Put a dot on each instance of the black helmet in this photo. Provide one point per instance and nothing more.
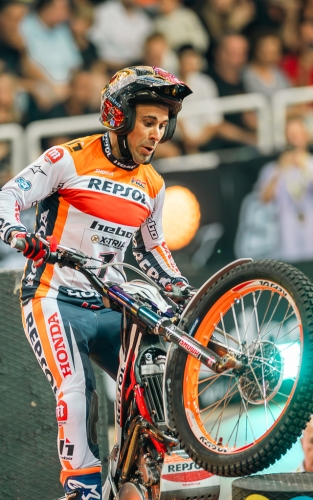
(137, 85)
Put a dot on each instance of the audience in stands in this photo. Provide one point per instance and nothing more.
(263, 74)
(81, 21)
(12, 46)
(119, 32)
(280, 224)
(14, 57)
(230, 58)
(56, 55)
(157, 53)
(180, 25)
(50, 43)
(277, 15)
(80, 100)
(223, 16)
(298, 65)
(9, 108)
(197, 130)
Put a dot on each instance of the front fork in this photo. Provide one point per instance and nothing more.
(215, 355)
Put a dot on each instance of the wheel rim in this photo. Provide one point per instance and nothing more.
(230, 412)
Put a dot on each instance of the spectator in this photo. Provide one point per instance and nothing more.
(289, 183)
(280, 16)
(5, 163)
(298, 66)
(307, 10)
(80, 97)
(197, 130)
(119, 32)
(12, 47)
(181, 26)
(80, 23)
(307, 447)
(230, 57)
(13, 53)
(263, 73)
(223, 16)
(157, 53)
(276, 219)
(50, 42)
(9, 111)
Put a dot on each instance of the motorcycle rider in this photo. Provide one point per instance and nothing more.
(94, 193)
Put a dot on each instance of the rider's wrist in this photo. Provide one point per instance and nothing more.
(12, 232)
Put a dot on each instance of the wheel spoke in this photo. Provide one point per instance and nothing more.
(220, 416)
(272, 315)
(236, 326)
(267, 309)
(278, 324)
(217, 403)
(247, 416)
(264, 390)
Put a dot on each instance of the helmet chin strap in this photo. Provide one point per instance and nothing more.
(125, 151)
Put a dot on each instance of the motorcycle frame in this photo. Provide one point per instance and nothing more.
(126, 372)
(183, 320)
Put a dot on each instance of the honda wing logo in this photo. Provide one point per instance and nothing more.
(73, 485)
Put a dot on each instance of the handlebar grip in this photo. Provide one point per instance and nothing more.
(18, 243)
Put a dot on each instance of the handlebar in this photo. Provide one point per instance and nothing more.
(18, 243)
(75, 259)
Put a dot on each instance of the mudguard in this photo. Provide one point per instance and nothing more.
(183, 320)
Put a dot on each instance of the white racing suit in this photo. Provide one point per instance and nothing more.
(90, 201)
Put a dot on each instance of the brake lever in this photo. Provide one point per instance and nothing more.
(59, 247)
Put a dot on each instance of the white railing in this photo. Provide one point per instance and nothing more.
(199, 161)
(14, 133)
(90, 123)
(35, 131)
(271, 121)
(238, 103)
(281, 100)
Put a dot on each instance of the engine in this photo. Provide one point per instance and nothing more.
(152, 370)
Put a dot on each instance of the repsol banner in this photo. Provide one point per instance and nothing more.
(29, 463)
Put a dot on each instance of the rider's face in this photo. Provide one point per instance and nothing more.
(151, 120)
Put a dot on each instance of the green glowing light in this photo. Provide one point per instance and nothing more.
(291, 356)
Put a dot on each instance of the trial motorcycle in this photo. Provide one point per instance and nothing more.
(216, 383)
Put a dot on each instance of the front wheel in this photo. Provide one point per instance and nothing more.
(239, 422)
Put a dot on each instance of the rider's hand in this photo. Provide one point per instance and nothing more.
(180, 291)
(186, 289)
(34, 248)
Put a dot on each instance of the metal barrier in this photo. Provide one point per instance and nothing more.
(90, 123)
(35, 131)
(237, 103)
(15, 133)
(271, 119)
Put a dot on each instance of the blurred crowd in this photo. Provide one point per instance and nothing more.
(56, 55)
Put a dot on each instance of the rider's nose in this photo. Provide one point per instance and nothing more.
(156, 134)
